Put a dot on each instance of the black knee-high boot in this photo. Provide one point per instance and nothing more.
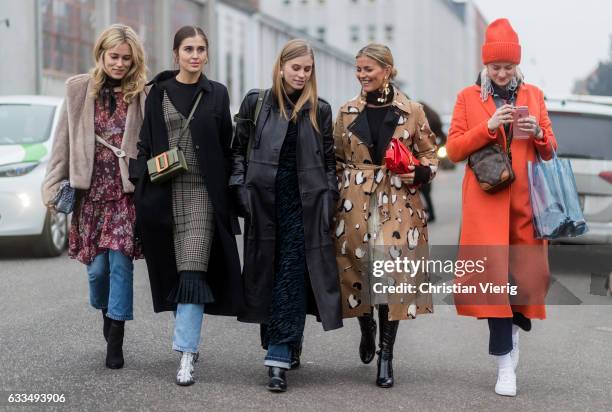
(114, 348)
(388, 331)
(106, 324)
(367, 346)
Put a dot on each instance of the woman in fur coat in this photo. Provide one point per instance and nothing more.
(95, 138)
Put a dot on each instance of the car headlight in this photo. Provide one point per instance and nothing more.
(17, 169)
(442, 152)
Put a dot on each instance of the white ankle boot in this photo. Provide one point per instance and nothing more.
(184, 376)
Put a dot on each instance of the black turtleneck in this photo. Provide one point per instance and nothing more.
(287, 159)
(181, 95)
(376, 112)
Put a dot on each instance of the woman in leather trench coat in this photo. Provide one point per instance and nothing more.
(285, 181)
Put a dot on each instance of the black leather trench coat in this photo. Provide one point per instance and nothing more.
(318, 191)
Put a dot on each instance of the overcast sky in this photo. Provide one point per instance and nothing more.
(561, 40)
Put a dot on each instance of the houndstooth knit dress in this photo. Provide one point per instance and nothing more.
(192, 211)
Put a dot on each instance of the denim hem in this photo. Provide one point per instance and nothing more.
(181, 349)
(277, 364)
(500, 354)
(277, 358)
(98, 307)
(119, 317)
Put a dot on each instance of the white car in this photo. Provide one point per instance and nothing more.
(27, 127)
(583, 128)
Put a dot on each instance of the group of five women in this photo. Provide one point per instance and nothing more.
(319, 204)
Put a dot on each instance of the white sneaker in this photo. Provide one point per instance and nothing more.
(506, 382)
(184, 376)
(514, 353)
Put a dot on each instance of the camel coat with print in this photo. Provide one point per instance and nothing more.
(365, 188)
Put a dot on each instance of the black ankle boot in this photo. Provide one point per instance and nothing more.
(114, 348)
(106, 325)
(388, 331)
(278, 381)
(296, 352)
(367, 346)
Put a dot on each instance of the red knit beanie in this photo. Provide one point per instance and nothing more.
(501, 43)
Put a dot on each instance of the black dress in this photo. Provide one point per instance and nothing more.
(290, 296)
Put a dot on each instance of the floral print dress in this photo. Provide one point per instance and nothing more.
(104, 216)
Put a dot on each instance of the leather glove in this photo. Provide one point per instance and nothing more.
(239, 195)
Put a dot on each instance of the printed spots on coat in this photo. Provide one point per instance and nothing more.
(402, 231)
(353, 301)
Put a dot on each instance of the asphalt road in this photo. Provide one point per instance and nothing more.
(51, 342)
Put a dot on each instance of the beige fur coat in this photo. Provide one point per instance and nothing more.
(72, 154)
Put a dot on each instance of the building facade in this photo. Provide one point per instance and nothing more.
(248, 44)
(50, 40)
(435, 43)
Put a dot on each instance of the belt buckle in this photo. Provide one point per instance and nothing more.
(158, 163)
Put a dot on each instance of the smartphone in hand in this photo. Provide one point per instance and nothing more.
(520, 112)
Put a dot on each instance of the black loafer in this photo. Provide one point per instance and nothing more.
(278, 381)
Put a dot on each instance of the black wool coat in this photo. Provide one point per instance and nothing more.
(211, 131)
(318, 187)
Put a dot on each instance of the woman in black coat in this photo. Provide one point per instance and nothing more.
(285, 182)
(186, 223)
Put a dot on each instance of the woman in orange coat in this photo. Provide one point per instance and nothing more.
(500, 224)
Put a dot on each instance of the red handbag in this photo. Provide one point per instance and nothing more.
(398, 157)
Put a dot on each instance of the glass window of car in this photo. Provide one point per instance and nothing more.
(583, 136)
(25, 123)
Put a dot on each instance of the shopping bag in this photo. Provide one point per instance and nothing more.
(554, 199)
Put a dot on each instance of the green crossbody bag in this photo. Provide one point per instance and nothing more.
(172, 162)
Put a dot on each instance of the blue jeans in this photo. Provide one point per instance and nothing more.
(500, 336)
(500, 332)
(279, 355)
(111, 284)
(187, 327)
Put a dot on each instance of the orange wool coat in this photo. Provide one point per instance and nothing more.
(503, 218)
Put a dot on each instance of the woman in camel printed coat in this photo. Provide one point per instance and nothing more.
(380, 215)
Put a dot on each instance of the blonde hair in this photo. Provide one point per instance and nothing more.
(382, 54)
(291, 50)
(134, 81)
(486, 84)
